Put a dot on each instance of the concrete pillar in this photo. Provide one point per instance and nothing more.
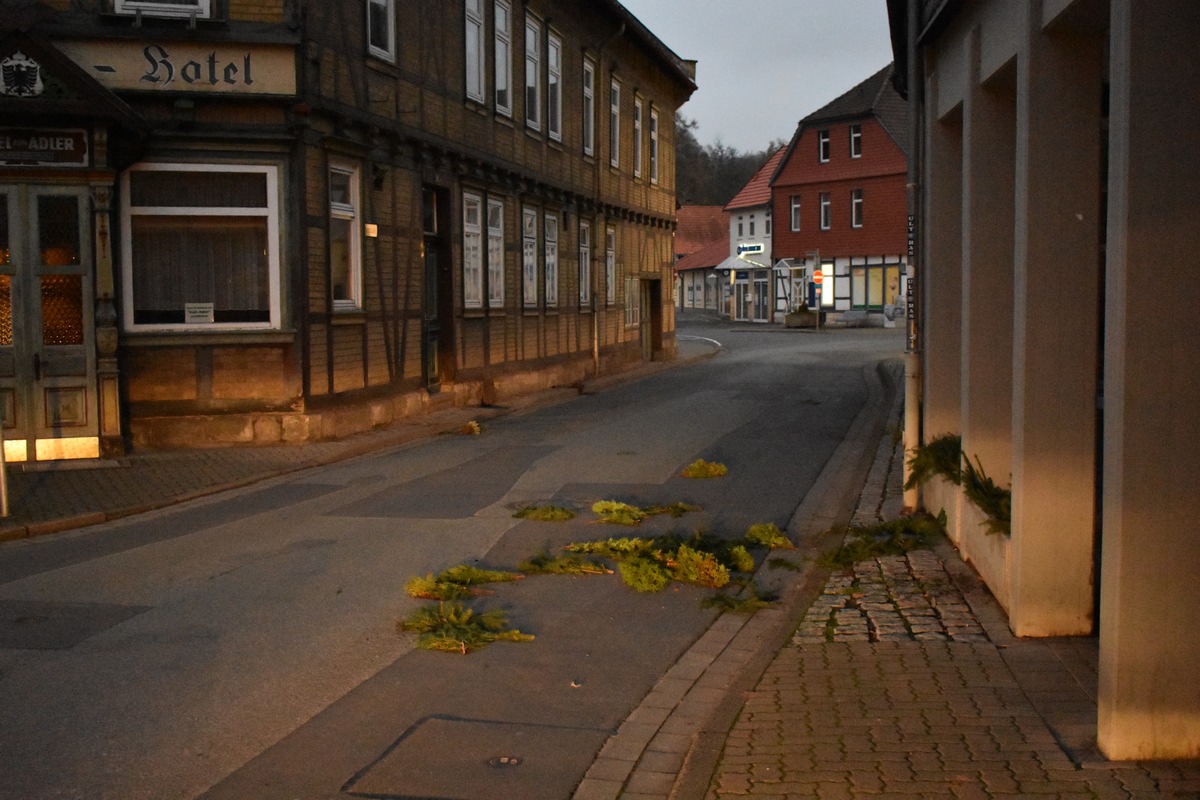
(989, 135)
(1149, 699)
(1057, 264)
(942, 273)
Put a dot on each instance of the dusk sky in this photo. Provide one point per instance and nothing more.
(764, 64)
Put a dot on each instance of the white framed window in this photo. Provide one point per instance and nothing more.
(741, 228)
(472, 250)
(653, 145)
(826, 212)
(529, 257)
(856, 208)
(856, 140)
(751, 224)
(589, 107)
(633, 302)
(637, 136)
(794, 201)
(550, 263)
(585, 264)
(503, 77)
(554, 86)
(822, 146)
(345, 241)
(767, 224)
(381, 29)
(614, 123)
(200, 246)
(533, 73)
(474, 50)
(610, 266)
(202, 9)
(495, 252)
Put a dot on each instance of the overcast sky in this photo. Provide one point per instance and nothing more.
(764, 64)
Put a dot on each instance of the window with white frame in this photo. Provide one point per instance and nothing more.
(856, 140)
(614, 123)
(495, 252)
(345, 244)
(741, 228)
(200, 246)
(826, 212)
(533, 73)
(202, 9)
(550, 263)
(856, 208)
(529, 257)
(794, 201)
(751, 224)
(472, 250)
(589, 107)
(653, 146)
(823, 146)
(503, 76)
(381, 29)
(767, 231)
(633, 301)
(585, 264)
(474, 50)
(637, 136)
(554, 86)
(610, 266)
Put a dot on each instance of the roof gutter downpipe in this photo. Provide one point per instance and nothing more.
(914, 349)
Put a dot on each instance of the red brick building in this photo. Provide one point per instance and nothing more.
(839, 198)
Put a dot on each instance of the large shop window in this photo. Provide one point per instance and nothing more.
(201, 9)
(201, 246)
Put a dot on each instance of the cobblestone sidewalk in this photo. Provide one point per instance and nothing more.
(897, 684)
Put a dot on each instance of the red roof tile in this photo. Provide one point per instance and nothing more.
(697, 226)
(708, 256)
(757, 191)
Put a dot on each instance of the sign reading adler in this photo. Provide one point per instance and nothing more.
(43, 147)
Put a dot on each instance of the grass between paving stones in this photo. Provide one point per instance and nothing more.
(895, 537)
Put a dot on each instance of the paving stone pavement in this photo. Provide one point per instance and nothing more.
(903, 681)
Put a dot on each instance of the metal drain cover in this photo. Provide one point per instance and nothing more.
(443, 758)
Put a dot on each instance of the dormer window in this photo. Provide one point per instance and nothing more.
(200, 9)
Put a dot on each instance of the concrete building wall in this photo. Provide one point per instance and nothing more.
(1060, 190)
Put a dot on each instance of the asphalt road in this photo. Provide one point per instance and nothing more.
(244, 646)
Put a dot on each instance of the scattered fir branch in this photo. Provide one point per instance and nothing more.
(545, 513)
(896, 537)
(767, 534)
(456, 582)
(454, 628)
(472, 428)
(545, 564)
(704, 469)
(613, 512)
(993, 500)
(939, 456)
(748, 603)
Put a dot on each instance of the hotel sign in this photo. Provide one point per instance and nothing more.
(188, 66)
(43, 147)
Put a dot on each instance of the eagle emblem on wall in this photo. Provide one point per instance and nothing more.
(20, 76)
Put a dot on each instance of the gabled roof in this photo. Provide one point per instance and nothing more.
(875, 97)
(757, 191)
(696, 226)
(706, 257)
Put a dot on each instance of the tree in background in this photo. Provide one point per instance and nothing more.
(710, 175)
